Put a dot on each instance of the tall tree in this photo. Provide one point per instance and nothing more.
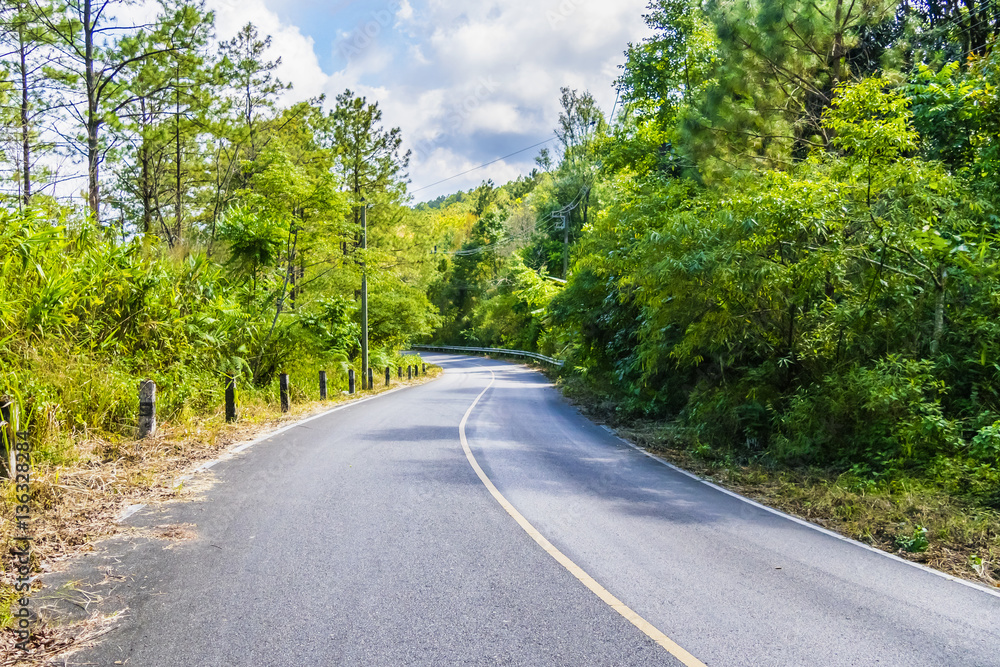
(778, 64)
(24, 40)
(566, 211)
(254, 88)
(170, 98)
(368, 155)
(98, 51)
(374, 173)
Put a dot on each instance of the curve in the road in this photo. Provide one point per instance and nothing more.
(365, 538)
(635, 619)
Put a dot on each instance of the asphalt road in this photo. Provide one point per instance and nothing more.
(365, 537)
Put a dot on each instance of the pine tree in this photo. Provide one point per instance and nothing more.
(96, 51)
(25, 43)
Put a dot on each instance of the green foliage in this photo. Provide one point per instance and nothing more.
(512, 312)
(948, 111)
(915, 542)
(255, 239)
(985, 445)
(331, 320)
(84, 318)
(830, 302)
(399, 316)
(871, 124)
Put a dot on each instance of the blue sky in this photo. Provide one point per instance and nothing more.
(466, 82)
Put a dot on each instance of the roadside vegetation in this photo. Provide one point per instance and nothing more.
(780, 261)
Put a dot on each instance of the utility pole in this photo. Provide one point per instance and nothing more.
(364, 295)
(565, 219)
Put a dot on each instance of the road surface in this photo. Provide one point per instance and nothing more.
(368, 537)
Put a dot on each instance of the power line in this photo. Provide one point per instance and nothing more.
(469, 171)
(540, 226)
(618, 94)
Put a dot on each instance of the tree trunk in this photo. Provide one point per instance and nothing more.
(93, 122)
(939, 311)
(565, 270)
(146, 190)
(177, 140)
(25, 134)
(293, 275)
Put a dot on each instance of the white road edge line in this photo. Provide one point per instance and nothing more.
(632, 617)
(229, 453)
(803, 522)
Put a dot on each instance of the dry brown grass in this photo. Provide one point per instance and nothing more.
(49, 644)
(964, 539)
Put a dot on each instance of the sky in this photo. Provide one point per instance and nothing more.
(466, 82)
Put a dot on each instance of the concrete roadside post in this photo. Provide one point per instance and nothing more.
(286, 403)
(147, 408)
(351, 383)
(371, 379)
(230, 398)
(322, 385)
(409, 372)
(388, 375)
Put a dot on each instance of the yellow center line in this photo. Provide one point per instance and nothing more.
(635, 619)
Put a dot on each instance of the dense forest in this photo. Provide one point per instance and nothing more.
(784, 241)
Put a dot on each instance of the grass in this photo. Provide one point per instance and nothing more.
(912, 515)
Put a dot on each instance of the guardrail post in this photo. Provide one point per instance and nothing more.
(350, 381)
(491, 350)
(230, 398)
(286, 403)
(147, 408)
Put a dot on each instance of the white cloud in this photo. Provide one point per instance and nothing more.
(528, 49)
(446, 162)
(299, 63)
(417, 54)
(405, 12)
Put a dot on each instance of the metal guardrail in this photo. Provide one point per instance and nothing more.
(489, 350)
